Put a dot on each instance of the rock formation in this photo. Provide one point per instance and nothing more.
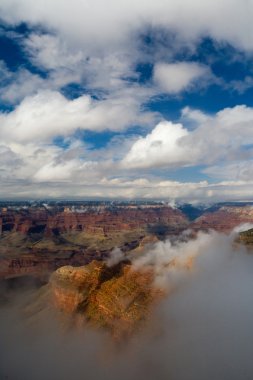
(246, 238)
(35, 241)
(103, 222)
(118, 299)
(224, 219)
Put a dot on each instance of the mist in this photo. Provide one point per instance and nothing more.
(201, 330)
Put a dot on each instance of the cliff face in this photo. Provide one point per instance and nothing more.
(225, 219)
(36, 241)
(118, 299)
(158, 221)
(23, 221)
(93, 222)
(246, 237)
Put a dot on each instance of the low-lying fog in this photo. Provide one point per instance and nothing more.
(202, 331)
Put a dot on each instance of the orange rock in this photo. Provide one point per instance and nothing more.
(118, 299)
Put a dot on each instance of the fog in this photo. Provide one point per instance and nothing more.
(202, 330)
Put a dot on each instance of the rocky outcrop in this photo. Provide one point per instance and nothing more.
(118, 299)
(24, 221)
(112, 221)
(37, 240)
(225, 219)
(103, 222)
(246, 237)
(37, 266)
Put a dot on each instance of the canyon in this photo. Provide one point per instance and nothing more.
(84, 263)
(35, 241)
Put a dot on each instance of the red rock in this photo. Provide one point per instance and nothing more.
(225, 219)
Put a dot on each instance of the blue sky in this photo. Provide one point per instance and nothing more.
(126, 100)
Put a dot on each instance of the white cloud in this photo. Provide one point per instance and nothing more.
(96, 44)
(176, 77)
(51, 52)
(67, 170)
(88, 185)
(29, 159)
(215, 138)
(239, 171)
(21, 84)
(106, 24)
(48, 114)
(16, 85)
(44, 116)
(159, 148)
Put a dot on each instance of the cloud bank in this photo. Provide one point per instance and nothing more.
(117, 20)
(115, 99)
(201, 331)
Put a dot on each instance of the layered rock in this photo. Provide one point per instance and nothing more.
(102, 222)
(118, 299)
(246, 237)
(224, 219)
(112, 221)
(24, 221)
(36, 240)
(35, 266)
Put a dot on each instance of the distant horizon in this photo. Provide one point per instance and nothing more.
(124, 200)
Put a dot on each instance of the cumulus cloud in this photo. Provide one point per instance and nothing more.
(158, 148)
(48, 114)
(45, 166)
(43, 116)
(214, 138)
(176, 77)
(98, 52)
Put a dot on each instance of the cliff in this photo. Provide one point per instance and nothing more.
(118, 299)
(35, 241)
(224, 219)
(102, 222)
(246, 237)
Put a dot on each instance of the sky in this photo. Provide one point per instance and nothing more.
(124, 99)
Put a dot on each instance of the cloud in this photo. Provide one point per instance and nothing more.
(17, 85)
(97, 49)
(159, 148)
(171, 261)
(98, 25)
(239, 171)
(36, 166)
(180, 76)
(202, 330)
(214, 138)
(67, 170)
(50, 52)
(49, 114)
